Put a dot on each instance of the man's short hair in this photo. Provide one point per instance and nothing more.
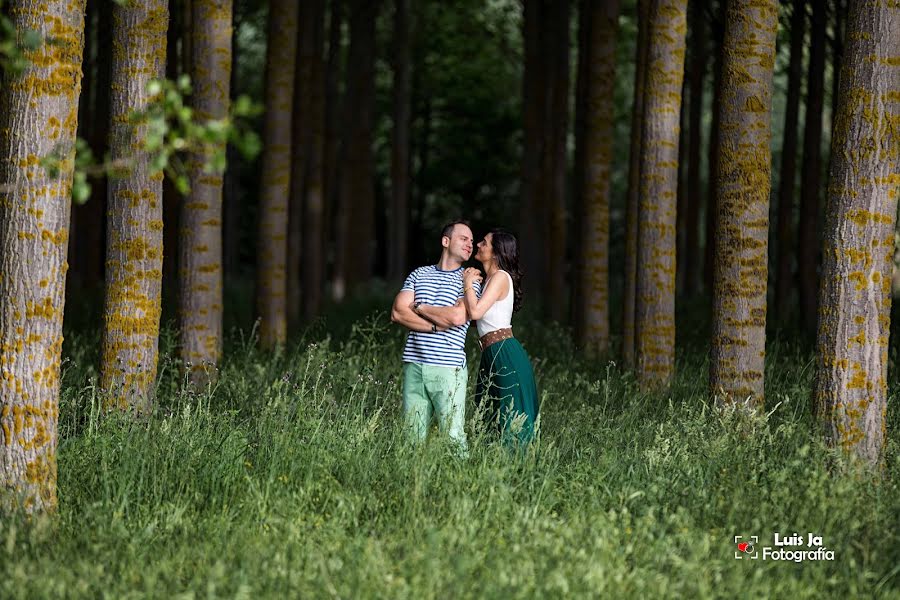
(447, 231)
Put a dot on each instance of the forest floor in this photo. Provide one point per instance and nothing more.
(291, 478)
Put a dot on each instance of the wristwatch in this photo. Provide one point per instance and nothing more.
(433, 328)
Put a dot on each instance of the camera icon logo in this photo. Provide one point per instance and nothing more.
(746, 547)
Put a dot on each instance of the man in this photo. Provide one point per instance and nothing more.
(430, 305)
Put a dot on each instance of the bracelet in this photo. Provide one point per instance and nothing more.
(466, 289)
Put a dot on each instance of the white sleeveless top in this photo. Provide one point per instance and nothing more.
(498, 316)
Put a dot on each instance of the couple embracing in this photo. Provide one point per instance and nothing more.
(436, 304)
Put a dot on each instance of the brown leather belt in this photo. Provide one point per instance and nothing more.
(495, 336)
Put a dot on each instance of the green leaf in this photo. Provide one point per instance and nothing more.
(154, 87)
(81, 189)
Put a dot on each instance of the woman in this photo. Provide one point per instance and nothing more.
(505, 386)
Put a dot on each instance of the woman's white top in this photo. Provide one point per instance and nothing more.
(498, 316)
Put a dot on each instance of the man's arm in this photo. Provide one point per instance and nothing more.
(403, 314)
(444, 316)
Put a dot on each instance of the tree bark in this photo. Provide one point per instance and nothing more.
(556, 120)
(783, 277)
(271, 256)
(332, 142)
(313, 275)
(582, 74)
(200, 240)
(854, 318)
(634, 183)
(357, 197)
(533, 109)
(655, 298)
(811, 173)
(299, 165)
(737, 365)
(398, 219)
(38, 115)
(600, 88)
(134, 233)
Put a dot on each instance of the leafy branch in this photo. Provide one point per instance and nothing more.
(169, 134)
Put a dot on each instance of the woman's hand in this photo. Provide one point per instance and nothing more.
(471, 276)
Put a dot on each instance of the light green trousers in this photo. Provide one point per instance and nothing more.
(433, 391)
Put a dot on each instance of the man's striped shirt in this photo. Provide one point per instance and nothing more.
(435, 287)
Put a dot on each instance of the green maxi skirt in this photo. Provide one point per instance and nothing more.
(506, 392)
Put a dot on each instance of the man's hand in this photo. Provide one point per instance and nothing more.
(402, 313)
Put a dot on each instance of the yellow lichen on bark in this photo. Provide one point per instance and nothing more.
(38, 116)
(132, 302)
(855, 300)
(271, 289)
(200, 278)
(655, 289)
(596, 188)
(740, 270)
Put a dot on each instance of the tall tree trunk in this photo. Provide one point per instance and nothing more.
(276, 173)
(533, 108)
(854, 319)
(313, 279)
(417, 237)
(299, 164)
(737, 362)
(545, 99)
(578, 168)
(357, 191)
(332, 142)
(783, 277)
(600, 90)
(134, 233)
(811, 174)
(38, 115)
(698, 52)
(556, 119)
(398, 220)
(837, 52)
(712, 201)
(200, 241)
(655, 298)
(634, 183)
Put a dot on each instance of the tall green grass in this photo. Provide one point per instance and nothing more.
(291, 477)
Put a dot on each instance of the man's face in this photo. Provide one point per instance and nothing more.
(459, 244)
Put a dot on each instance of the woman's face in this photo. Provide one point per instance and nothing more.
(485, 252)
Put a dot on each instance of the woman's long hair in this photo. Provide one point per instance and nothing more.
(506, 250)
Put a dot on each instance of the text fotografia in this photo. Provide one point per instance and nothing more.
(792, 548)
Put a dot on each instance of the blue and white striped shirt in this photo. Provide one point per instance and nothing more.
(435, 287)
